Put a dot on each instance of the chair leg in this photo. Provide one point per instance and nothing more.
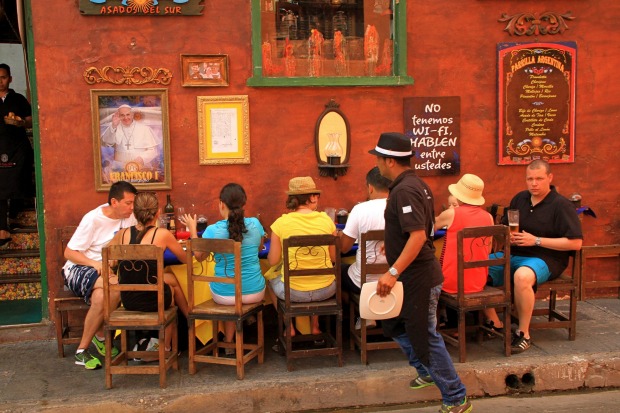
(60, 324)
(507, 332)
(261, 337)
(572, 331)
(108, 358)
(352, 327)
(462, 338)
(239, 349)
(191, 345)
(175, 344)
(162, 359)
(339, 338)
(363, 341)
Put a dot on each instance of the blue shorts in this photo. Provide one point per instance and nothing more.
(80, 279)
(496, 272)
(277, 286)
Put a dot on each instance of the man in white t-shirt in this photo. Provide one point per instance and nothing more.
(83, 267)
(365, 216)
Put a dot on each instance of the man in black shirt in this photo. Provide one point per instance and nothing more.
(409, 219)
(549, 230)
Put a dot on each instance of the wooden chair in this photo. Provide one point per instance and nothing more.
(293, 249)
(359, 337)
(490, 297)
(69, 308)
(222, 249)
(550, 316)
(595, 252)
(132, 257)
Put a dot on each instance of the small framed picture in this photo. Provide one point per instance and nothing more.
(131, 141)
(204, 70)
(223, 130)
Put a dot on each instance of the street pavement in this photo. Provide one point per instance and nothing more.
(33, 378)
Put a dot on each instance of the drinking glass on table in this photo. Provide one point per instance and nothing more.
(180, 213)
(513, 220)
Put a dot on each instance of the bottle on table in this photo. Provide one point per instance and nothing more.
(169, 212)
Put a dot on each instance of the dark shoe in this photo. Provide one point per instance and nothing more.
(5, 241)
(464, 407)
(421, 382)
(319, 343)
(491, 326)
(278, 348)
(520, 343)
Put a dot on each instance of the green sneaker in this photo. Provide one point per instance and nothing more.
(464, 407)
(101, 347)
(87, 360)
(421, 382)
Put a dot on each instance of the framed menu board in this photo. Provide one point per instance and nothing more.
(536, 102)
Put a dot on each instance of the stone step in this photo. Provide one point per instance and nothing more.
(20, 291)
(19, 263)
(22, 241)
(33, 277)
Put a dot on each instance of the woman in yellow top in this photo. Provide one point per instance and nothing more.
(302, 201)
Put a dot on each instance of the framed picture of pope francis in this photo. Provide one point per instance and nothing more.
(131, 140)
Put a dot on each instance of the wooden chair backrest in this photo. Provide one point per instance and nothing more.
(218, 251)
(63, 235)
(130, 257)
(371, 239)
(297, 247)
(482, 237)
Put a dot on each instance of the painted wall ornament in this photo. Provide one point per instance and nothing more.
(529, 24)
(127, 75)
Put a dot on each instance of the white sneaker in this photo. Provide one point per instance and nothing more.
(153, 344)
(369, 323)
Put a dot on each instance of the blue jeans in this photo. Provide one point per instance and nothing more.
(441, 368)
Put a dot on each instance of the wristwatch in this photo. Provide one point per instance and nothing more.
(537, 242)
(393, 272)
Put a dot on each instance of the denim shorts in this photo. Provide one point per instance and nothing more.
(277, 285)
(496, 272)
(80, 279)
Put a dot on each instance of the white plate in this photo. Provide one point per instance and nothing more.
(374, 307)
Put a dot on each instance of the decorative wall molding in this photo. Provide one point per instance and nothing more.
(126, 75)
(529, 24)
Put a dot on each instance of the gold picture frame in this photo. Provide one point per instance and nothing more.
(131, 140)
(223, 130)
(204, 70)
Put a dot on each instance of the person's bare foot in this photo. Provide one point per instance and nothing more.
(4, 234)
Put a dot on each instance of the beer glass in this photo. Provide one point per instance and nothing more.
(513, 220)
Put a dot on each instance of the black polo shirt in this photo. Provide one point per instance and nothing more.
(553, 217)
(409, 208)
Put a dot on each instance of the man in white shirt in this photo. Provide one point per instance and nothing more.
(365, 216)
(83, 267)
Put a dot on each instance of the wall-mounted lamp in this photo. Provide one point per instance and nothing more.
(332, 141)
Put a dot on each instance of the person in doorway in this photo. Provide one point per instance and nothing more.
(250, 233)
(409, 222)
(365, 216)
(16, 154)
(132, 141)
(549, 230)
(83, 267)
(468, 193)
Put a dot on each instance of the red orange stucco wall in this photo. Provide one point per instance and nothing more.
(451, 52)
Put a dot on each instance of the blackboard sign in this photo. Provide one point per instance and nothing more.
(536, 102)
(141, 7)
(434, 126)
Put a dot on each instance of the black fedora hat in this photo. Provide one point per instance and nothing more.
(393, 145)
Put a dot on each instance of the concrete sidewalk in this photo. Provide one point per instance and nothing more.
(33, 378)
